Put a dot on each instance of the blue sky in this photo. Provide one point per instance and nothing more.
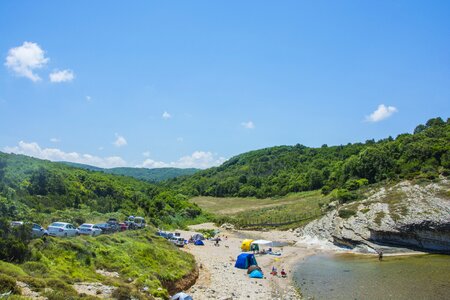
(191, 83)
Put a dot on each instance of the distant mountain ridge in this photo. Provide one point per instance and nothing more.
(151, 175)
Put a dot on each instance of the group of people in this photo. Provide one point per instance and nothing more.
(275, 272)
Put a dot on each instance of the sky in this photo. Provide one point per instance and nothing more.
(193, 83)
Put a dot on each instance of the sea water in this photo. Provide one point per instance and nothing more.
(352, 276)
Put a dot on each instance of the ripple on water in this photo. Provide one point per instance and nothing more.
(352, 276)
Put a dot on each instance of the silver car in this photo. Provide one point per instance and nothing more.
(89, 229)
(62, 229)
(38, 231)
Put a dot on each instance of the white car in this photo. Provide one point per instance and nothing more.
(62, 229)
(89, 229)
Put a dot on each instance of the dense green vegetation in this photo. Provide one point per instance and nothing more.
(278, 171)
(33, 188)
(150, 175)
(57, 263)
(40, 191)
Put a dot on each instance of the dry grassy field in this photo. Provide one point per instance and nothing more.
(291, 206)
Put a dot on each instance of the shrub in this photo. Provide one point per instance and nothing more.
(8, 284)
(346, 213)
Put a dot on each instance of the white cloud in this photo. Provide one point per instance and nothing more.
(55, 140)
(198, 159)
(88, 98)
(248, 125)
(381, 113)
(26, 58)
(62, 76)
(166, 115)
(120, 141)
(146, 154)
(54, 154)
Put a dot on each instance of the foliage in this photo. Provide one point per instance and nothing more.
(346, 213)
(44, 191)
(13, 241)
(8, 284)
(278, 171)
(57, 263)
(150, 175)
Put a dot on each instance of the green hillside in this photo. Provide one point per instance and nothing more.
(281, 170)
(42, 189)
(151, 175)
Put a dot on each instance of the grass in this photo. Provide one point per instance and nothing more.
(140, 255)
(273, 210)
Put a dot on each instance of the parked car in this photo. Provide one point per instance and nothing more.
(114, 224)
(38, 231)
(178, 241)
(16, 223)
(89, 229)
(105, 227)
(62, 229)
(135, 222)
(123, 226)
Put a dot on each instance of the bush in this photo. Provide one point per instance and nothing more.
(8, 284)
(346, 213)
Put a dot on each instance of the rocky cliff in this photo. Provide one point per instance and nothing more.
(409, 215)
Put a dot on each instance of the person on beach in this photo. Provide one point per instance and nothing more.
(380, 255)
(274, 271)
(283, 273)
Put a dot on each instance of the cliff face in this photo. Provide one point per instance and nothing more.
(406, 215)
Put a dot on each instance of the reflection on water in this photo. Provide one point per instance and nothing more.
(350, 276)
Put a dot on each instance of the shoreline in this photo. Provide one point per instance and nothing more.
(219, 279)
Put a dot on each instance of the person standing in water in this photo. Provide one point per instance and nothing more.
(380, 255)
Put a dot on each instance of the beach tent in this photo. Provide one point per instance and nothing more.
(245, 246)
(181, 296)
(253, 268)
(262, 242)
(197, 236)
(199, 243)
(245, 260)
(256, 274)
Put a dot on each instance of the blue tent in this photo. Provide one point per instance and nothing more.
(245, 260)
(256, 274)
(199, 243)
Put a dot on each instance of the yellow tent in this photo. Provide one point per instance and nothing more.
(245, 246)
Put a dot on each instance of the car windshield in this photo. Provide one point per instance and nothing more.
(57, 224)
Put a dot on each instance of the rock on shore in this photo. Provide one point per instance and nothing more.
(406, 215)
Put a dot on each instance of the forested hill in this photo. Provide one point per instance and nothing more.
(42, 188)
(150, 175)
(280, 170)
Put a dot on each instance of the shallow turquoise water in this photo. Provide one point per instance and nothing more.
(350, 276)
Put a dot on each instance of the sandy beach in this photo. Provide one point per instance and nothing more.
(219, 279)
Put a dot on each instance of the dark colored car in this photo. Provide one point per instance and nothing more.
(114, 224)
(105, 227)
(123, 226)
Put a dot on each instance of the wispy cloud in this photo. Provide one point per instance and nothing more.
(381, 113)
(120, 141)
(55, 140)
(166, 115)
(146, 153)
(23, 60)
(198, 159)
(55, 154)
(88, 98)
(248, 125)
(61, 76)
